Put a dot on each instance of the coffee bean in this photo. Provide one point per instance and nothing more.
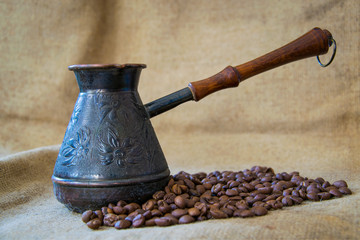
(270, 197)
(296, 200)
(207, 185)
(119, 210)
(136, 212)
(87, 216)
(313, 196)
(189, 183)
(324, 196)
(258, 203)
(110, 219)
(179, 212)
(191, 202)
(311, 188)
(158, 195)
(183, 188)
(106, 210)
(232, 207)
(208, 199)
(201, 218)
(213, 180)
(265, 190)
(189, 197)
(194, 212)
(236, 213)
(162, 222)
(231, 192)
(245, 214)
(278, 176)
(274, 204)
(185, 195)
(111, 205)
(147, 214)
(335, 193)
(167, 190)
(221, 193)
(217, 188)
(302, 194)
(173, 219)
(217, 213)
(121, 203)
(180, 202)
(345, 190)
(179, 177)
(224, 198)
(176, 189)
(122, 216)
(94, 223)
(122, 224)
(99, 214)
(289, 184)
(277, 188)
(151, 221)
(163, 206)
(131, 207)
(266, 179)
(233, 183)
(138, 221)
(200, 189)
(130, 217)
(227, 211)
(295, 193)
(242, 206)
(171, 182)
(195, 179)
(248, 186)
(193, 192)
(149, 205)
(279, 198)
(156, 213)
(250, 200)
(259, 211)
(320, 180)
(186, 219)
(202, 207)
(286, 201)
(340, 183)
(286, 176)
(326, 184)
(330, 187)
(259, 197)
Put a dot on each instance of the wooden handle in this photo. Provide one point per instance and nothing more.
(313, 43)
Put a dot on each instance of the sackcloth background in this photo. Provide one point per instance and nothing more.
(297, 117)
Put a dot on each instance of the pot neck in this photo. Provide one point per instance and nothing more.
(112, 77)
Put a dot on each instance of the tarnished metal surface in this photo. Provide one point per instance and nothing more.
(110, 151)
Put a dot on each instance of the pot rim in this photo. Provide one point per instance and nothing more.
(105, 66)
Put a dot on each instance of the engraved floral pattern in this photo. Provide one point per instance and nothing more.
(76, 148)
(107, 105)
(121, 108)
(122, 151)
(74, 116)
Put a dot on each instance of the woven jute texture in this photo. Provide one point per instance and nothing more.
(299, 117)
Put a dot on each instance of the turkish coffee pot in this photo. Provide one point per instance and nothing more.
(110, 151)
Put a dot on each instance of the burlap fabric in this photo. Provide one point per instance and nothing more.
(297, 117)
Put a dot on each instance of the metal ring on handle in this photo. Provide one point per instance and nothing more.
(332, 57)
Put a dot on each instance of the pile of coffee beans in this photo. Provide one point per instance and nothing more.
(197, 197)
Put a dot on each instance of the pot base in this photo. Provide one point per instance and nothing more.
(80, 199)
